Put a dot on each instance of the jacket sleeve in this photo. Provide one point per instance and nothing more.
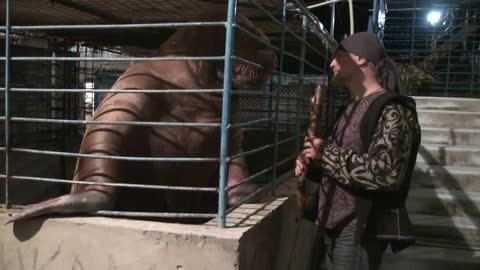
(383, 166)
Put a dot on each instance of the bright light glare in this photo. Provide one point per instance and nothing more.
(434, 17)
(89, 85)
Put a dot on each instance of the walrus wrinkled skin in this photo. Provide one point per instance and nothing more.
(163, 141)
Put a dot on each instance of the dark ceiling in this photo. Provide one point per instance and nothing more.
(68, 12)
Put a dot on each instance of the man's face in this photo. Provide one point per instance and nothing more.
(343, 66)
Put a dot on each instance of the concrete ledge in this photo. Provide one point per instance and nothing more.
(265, 235)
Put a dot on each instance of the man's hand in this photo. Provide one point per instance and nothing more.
(310, 150)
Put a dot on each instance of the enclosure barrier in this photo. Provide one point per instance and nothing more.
(276, 116)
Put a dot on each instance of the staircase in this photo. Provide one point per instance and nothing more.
(444, 199)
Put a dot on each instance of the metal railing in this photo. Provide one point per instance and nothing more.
(439, 57)
(279, 110)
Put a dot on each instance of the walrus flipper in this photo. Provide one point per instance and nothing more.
(83, 202)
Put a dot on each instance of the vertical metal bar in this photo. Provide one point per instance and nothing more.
(7, 104)
(447, 85)
(375, 16)
(382, 12)
(277, 97)
(326, 66)
(412, 45)
(227, 84)
(332, 20)
(467, 19)
(301, 72)
(268, 103)
(472, 68)
(350, 12)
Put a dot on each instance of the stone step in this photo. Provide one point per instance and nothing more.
(446, 177)
(454, 155)
(443, 202)
(447, 103)
(453, 231)
(456, 136)
(449, 119)
(431, 258)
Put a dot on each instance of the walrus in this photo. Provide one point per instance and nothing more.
(166, 141)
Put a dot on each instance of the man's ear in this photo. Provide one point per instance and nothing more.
(361, 61)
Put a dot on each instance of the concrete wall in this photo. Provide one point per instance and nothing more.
(281, 240)
(264, 235)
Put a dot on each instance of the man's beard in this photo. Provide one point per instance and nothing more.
(338, 80)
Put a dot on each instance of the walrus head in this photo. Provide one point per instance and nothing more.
(247, 76)
(210, 41)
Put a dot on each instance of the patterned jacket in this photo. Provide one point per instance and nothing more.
(380, 175)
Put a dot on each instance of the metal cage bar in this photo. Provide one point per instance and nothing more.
(7, 104)
(301, 73)
(279, 86)
(124, 185)
(227, 85)
(226, 91)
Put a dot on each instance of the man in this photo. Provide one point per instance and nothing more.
(364, 167)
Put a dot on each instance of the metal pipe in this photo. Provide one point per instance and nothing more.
(251, 152)
(291, 138)
(250, 123)
(124, 185)
(240, 59)
(77, 155)
(7, 104)
(95, 122)
(153, 215)
(116, 91)
(412, 43)
(237, 204)
(150, 91)
(301, 71)
(350, 13)
(165, 58)
(318, 29)
(161, 58)
(259, 6)
(112, 26)
(227, 85)
(249, 179)
(304, 61)
(449, 59)
(267, 186)
(287, 159)
(285, 52)
(324, 4)
(277, 101)
(256, 150)
(374, 17)
(332, 19)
